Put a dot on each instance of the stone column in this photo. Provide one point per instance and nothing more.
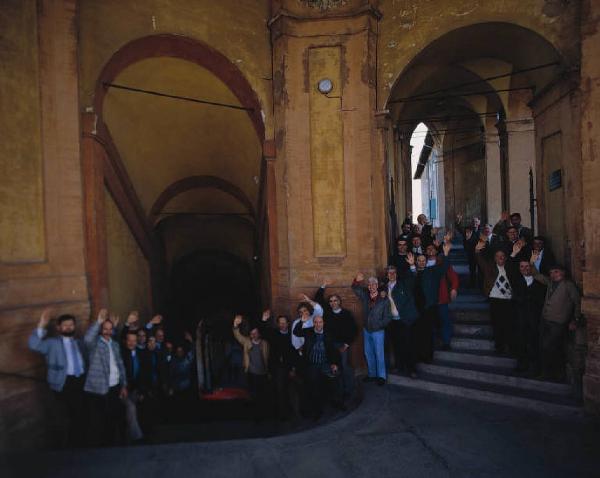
(493, 173)
(329, 168)
(590, 151)
(521, 156)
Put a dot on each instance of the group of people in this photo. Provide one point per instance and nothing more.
(295, 368)
(533, 305)
(113, 384)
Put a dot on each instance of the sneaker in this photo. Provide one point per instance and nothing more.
(380, 381)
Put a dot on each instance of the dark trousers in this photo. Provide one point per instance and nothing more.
(424, 333)
(347, 372)
(258, 388)
(502, 314)
(321, 386)
(71, 403)
(107, 416)
(281, 381)
(403, 337)
(528, 337)
(553, 338)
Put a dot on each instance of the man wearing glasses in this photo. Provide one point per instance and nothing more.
(341, 327)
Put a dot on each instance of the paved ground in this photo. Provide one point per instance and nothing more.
(394, 432)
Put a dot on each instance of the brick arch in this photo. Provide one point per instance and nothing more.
(198, 182)
(185, 48)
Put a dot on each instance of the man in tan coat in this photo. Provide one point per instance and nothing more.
(256, 363)
(561, 312)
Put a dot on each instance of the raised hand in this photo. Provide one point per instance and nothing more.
(459, 218)
(132, 318)
(410, 259)
(446, 247)
(237, 321)
(44, 318)
(157, 319)
(535, 255)
(480, 246)
(188, 337)
(517, 246)
(265, 315)
(115, 319)
(102, 315)
(359, 277)
(326, 282)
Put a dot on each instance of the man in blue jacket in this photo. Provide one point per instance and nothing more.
(65, 359)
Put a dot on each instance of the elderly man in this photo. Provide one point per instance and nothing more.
(561, 312)
(106, 381)
(529, 297)
(499, 279)
(341, 327)
(323, 365)
(256, 364)
(66, 371)
(377, 314)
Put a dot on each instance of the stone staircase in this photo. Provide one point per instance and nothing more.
(473, 370)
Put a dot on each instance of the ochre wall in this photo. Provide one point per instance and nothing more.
(22, 212)
(238, 29)
(128, 269)
(56, 278)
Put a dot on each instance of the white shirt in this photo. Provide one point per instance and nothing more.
(501, 289)
(529, 280)
(298, 342)
(538, 261)
(113, 374)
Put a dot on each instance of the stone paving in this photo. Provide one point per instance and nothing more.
(394, 432)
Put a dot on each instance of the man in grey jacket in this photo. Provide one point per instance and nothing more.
(106, 381)
(561, 312)
(65, 359)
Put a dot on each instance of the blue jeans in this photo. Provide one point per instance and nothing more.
(446, 323)
(375, 352)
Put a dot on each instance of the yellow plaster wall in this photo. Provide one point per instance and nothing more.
(21, 191)
(162, 140)
(128, 270)
(408, 26)
(327, 153)
(236, 28)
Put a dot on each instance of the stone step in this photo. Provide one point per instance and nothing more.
(466, 298)
(549, 408)
(467, 316)
(472, 344)
(502, 380)
(482, 331)
(462, 306)
(474, 357)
